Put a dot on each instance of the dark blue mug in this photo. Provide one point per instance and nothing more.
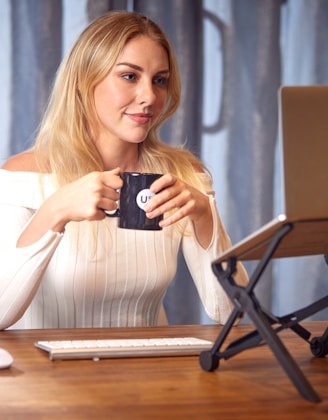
(134, 195)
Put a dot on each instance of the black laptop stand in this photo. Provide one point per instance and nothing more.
(267, 325)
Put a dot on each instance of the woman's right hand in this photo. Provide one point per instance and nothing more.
(83, 199)
(88, 197)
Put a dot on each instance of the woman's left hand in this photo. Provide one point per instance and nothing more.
(174, 195)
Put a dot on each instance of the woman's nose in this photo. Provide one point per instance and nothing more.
(146, 94)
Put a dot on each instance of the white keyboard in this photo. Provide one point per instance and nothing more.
(118, 348)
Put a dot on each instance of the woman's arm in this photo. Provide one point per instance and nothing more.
(205, 238)
(21, 269)
(84, 199)
(199, 261)
(32, 226)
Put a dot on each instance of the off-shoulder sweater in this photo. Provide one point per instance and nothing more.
(96, 274)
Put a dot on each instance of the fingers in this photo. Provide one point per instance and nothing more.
(172, 195)
(177, 215)
(109, 195)
(164, 181)
(170, 199)
(177, 199)
(112, 178)
(94, 193)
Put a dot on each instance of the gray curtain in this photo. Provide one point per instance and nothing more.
(233, 56)
(304, 32)
(251, 76)
(36, 45)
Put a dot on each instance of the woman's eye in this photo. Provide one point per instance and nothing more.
(129, 76)
(161, 81)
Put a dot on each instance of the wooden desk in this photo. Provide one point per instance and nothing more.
(251, 385)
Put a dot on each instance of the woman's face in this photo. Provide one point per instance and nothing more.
(130, 99)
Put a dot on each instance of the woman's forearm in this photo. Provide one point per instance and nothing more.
(21, 269)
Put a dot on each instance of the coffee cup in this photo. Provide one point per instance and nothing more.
(134, 195)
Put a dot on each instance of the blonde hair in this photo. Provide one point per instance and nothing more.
(65, 145)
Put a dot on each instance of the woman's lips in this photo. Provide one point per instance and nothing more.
(140, 118)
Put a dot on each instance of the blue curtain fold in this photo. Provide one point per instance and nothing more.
(36, 39)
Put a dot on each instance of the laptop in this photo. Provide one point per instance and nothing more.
(303, 137)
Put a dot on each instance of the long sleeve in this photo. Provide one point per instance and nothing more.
(216, 303)
(22, 269)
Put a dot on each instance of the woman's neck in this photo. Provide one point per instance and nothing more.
(126, 158)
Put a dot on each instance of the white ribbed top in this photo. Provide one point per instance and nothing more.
(95, 274)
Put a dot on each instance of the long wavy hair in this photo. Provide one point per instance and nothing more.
(65, 144)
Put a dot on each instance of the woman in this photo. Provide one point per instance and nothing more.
(63, 262)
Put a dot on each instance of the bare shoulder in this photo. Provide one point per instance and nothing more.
(24, 162)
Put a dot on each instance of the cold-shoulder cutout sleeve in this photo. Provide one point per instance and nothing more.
(21, 268)
(216, 303)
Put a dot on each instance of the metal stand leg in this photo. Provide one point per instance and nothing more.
(246, 301)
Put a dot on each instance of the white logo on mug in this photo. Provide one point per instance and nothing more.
(143, 197)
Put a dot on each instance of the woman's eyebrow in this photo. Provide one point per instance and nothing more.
(136, 67)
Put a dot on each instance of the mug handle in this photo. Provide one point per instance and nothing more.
(113, 213)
